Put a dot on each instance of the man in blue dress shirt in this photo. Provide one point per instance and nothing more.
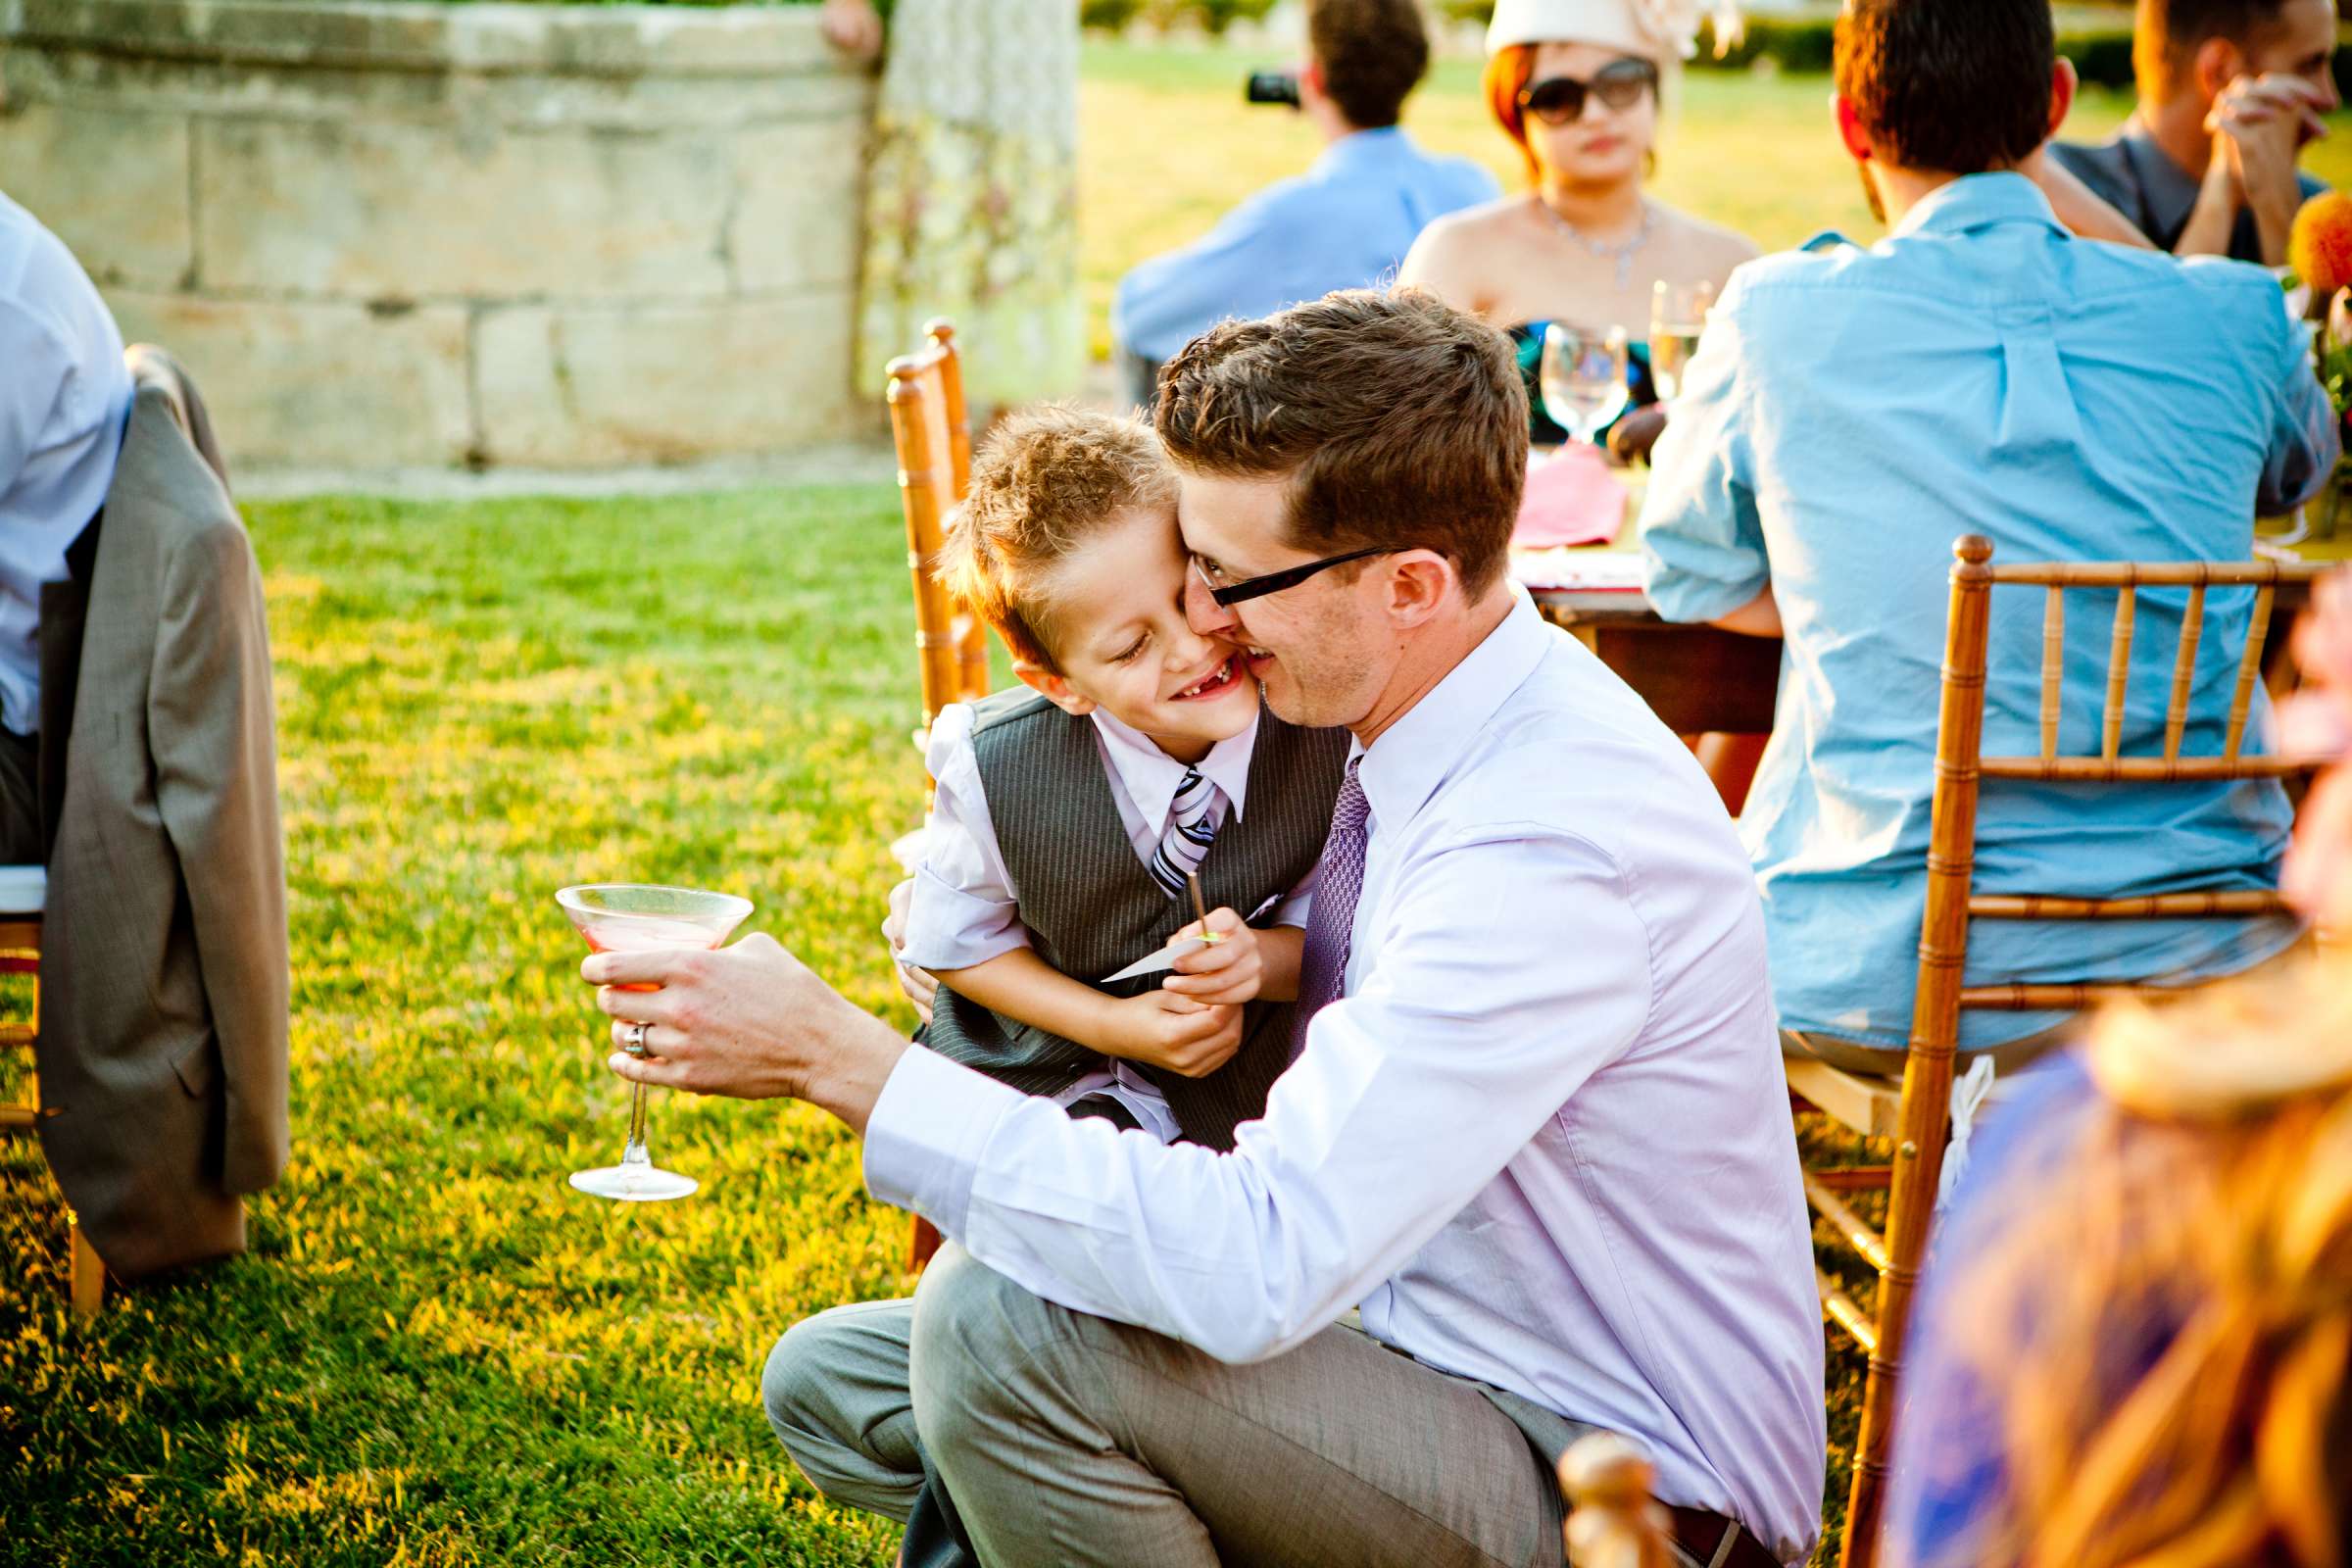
(1851, 411)
(1347, 223)
(64, 394)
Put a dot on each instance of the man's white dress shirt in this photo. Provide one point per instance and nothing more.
(64, 394)
(1542, 1139)
(965, 910)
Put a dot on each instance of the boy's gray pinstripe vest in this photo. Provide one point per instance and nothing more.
(1092, 909)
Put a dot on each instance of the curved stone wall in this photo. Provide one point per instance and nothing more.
(387, 235)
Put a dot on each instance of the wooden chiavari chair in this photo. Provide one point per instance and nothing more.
(1916, 1114)
(933, 434)
(1613, 1521)
(20, 954)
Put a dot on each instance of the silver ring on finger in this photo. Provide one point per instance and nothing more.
(633, 1039)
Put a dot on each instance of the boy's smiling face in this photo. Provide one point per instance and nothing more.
(1117, 628)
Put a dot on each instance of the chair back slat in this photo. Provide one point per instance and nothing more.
(2119, 672)
(2249, 669)
(926, 394)
(2184, 671)
(2230, 904)
(2053, 665)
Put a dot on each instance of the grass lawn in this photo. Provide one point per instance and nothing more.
(1167, 146)
(439, 1353)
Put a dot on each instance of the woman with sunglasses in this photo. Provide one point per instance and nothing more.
(1576, 85)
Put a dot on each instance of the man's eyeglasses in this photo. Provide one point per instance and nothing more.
(1559, 100)
(1229, 593)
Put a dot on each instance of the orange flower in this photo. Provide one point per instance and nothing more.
(2321, 248)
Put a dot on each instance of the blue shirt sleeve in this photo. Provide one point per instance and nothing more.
(1702, 543)
(2305, 442)
(1170, 300)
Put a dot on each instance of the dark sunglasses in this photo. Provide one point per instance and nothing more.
(1227, 595)
(1558, 100)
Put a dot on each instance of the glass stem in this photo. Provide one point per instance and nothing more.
(635, 1153)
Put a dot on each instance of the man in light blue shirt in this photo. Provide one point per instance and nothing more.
(1347, 223)
(1980, 371)
(64, 393)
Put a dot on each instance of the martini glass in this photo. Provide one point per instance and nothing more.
(631, 917)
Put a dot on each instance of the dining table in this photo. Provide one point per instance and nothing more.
(1704, 680)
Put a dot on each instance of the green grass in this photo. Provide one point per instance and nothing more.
(1167, 146)
(438, 1353)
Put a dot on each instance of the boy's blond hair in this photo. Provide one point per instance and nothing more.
(1047, 481)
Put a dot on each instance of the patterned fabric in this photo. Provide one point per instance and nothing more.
(1330, 924)
(971, 196)
(1192, 829)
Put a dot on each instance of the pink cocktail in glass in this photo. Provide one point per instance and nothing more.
(635, 917)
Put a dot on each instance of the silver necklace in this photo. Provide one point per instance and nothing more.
(1622, 253)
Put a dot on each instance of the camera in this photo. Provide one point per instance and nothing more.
(1271, 87)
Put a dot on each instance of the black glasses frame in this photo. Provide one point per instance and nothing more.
(1619, 84)
(1274, 582)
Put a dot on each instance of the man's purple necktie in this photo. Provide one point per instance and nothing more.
(1331, 921)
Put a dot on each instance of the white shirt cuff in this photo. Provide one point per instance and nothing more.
(926, 1134)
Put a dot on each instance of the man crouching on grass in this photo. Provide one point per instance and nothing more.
(1535, 1127)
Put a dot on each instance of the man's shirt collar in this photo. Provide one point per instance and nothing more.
(1979, 201)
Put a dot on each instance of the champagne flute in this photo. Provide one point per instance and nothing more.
(1583, 377)
(1677, 314)
(631, 917)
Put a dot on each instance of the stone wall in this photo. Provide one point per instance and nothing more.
(391, 236)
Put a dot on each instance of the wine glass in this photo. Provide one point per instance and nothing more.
(631, 917)
(1677, 314)
(1583, 377)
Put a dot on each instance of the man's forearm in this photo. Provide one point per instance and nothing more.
(1760, 617)
(848, 1083)
(2213, 222)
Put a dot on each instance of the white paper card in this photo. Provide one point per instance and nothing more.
(1164, 958)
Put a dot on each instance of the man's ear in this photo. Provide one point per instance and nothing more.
(1419, 581)
(1850, 131)
(2063, 82)
(1053, 689)
(2217, 63)
(1311, 79)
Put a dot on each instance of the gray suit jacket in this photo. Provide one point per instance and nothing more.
(163, 970)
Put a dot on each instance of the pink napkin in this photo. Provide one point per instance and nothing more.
(1571, 498)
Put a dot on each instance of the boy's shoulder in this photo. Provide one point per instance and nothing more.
(1010, 705)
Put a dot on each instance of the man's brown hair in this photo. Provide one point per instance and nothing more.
(2165, 35)
(1961, 86)
(1047, 481)
(1373, 54)
(1401, 420)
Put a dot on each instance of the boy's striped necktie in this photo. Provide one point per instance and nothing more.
(1192, 828)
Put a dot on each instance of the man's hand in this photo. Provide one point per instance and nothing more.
(919, 985)
(2260, 126)
(750, 1021)
(1163, 1029)
(1226, 974)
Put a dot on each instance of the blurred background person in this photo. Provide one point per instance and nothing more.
(2181, 1389)
(1347, 223)
(971, 197)
(1577, 86)
(2231, 92)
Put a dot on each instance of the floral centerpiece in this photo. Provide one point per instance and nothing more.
(2320, 259)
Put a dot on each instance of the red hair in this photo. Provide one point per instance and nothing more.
(1506, 77)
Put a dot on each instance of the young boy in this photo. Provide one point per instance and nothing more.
(1068, 816)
